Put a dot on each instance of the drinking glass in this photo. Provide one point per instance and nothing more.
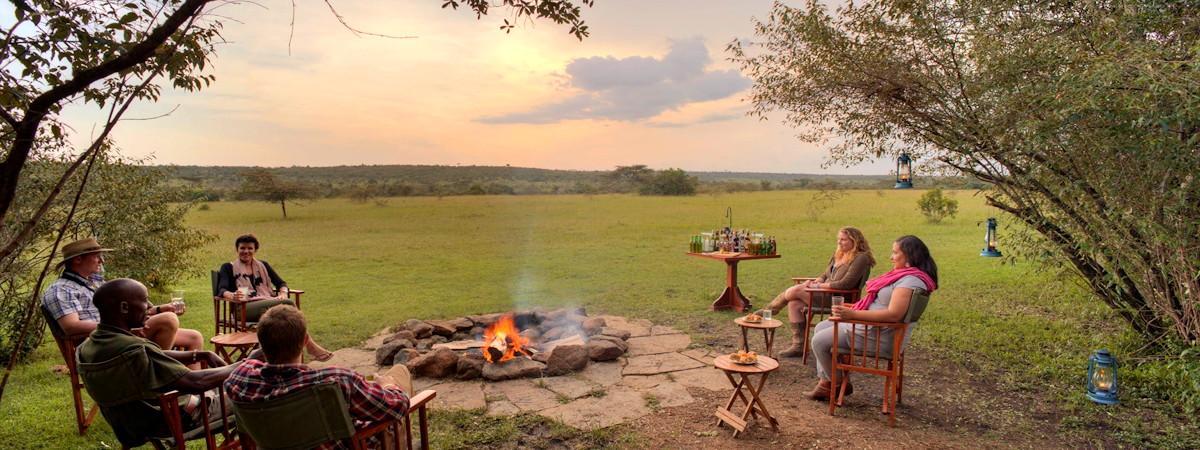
(766, 314)
(245, 291)
(177, 301)
(838, 300)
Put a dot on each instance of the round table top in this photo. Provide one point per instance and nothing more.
(773, 323)
(763, 365)
(238, 338)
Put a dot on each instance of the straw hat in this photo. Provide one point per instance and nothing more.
(81, 247)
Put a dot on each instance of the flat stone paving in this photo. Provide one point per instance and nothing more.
(657, 371)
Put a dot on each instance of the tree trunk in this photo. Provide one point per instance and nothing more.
(283, 206)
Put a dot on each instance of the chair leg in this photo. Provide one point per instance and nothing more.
(808, 317)
(900, 382)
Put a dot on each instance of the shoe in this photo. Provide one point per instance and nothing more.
(777, 304)
(821, 392)
(797, 348)
(323, 357)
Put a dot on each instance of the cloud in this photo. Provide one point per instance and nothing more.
(634, 88)
(710, 118)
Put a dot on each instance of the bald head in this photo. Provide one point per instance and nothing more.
(122, 302)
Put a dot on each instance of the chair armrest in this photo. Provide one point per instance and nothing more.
(801, 280)
(831, 291)
(896, 325)
(218, 298)
(421, 399)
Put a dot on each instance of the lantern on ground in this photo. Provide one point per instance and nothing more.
(904, 172)
(989, 240)
(1102, 378)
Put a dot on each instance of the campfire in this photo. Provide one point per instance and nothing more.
(502, 341)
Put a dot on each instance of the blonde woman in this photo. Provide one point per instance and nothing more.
(849, 266)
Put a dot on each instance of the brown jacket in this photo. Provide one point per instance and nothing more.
(847, 276)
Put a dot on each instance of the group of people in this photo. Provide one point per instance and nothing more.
(884, 298)
(124, 328)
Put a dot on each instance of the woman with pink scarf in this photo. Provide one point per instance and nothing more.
(266, 289)
(886, 300)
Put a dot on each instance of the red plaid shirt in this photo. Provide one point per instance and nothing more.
(368, 402)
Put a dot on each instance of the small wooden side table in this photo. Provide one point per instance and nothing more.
(754, 404)
(731, 297)
(236, 346)
(768, 329)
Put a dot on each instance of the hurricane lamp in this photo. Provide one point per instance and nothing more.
(1102, 383)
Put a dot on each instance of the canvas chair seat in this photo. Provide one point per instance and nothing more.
(304, 418)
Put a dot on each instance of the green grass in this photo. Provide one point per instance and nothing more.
(366, 267)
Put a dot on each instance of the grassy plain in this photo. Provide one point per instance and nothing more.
(367, 266)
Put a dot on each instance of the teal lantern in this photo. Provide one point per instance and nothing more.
(904, 172)
(1102, 378)
(989, 240)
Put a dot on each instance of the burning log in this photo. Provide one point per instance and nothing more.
(496, 348)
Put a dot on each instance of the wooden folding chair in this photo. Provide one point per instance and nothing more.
(66, 347)
(866, 353)
(229, 316)
(318, 414)
(133, 419)
(821, 303)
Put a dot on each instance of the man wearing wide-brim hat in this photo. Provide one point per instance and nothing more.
(69, 300)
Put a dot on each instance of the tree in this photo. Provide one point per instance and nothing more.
(260, 184)
(670, 182)
(1082, 117)
(109, 55)
(935, 206)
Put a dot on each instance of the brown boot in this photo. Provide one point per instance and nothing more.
(777, 304)
(797, 348)
(821, 392)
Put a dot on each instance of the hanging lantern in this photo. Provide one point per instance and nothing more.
(989, 240)
(904, 172)
(1102, 378)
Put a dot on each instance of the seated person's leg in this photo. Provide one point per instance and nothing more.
(399, 376)
(161, 329)
(255, 309)
(316, 350)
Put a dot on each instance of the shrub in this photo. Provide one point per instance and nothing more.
(936, 206)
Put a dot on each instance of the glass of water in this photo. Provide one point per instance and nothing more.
(765, 313)
(177, 301)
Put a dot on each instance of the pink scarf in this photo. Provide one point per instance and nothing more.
(882, 281)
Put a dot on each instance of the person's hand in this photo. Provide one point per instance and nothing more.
(167, 307)
(842, 312)
(239, 295)
(179, 307)
(210, 358)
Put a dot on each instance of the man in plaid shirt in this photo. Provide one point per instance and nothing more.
(281, 333)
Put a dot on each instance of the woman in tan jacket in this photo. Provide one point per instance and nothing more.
(848, 268)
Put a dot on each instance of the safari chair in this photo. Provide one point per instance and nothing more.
(230, 315)
(866, 353)
(821, 303)
(136, 421)
(66, 347)
(318, 414)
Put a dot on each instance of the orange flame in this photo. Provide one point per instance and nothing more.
(504, 335)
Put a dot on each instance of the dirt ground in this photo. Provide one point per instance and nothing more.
(942, 408)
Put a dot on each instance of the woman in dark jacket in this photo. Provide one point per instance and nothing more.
(848, 267)
(252, 279)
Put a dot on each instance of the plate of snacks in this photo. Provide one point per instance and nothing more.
(752, 318)
(743, 357)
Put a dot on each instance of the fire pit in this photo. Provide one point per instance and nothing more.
(502, 346)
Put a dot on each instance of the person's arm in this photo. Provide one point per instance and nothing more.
(226, 285)
(280, 285)
(73, 326)
(197, 381)
(853, 274)
(190, 357)
(817, 283)
(372, 402)
(894, 312)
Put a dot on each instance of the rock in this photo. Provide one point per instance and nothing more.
(434, 340)
(469, 368)
(532, 334)
(659, 363)
(548, 346)
(483, 320)
(602, 350)
(410, 323)
(657, 330)
(421, 330)
(424, 345)
(377, 340)
(526, 319)
(592, 325)
(477, 332)
(458, 395)
(620, 343)
(405, 355)
(649, 345)
(541, 357)
(618, 405)
(566, 359)
(636, 327)
(614, 332)
(442, 327)
(436, 364)
(385, 352)
(462, 324)
(402, 334)
(459, 345)
(570, 387)
(513, 368)
(702, 377)
(461, 336)
(603, 373)
(553, 333)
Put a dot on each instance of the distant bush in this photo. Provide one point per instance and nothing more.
(670, 182)
(936, 206)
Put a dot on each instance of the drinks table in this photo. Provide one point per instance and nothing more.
(768, 328)
(731, 297)
(754, 404)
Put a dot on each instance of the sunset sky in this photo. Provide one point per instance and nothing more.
(650, 86)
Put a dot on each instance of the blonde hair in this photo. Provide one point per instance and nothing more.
(860, 246)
